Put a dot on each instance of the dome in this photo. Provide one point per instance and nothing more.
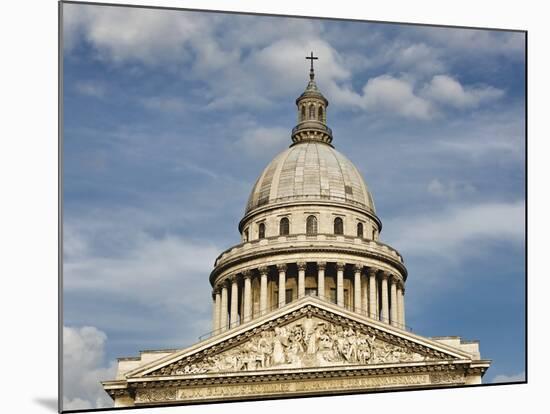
(310, 171)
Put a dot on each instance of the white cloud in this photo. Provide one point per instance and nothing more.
(509, 378)
(130, 34)
(450, 233)
(240, 69)
(396, 95)
(448, 91)
(90, 88)
(486, 135)
(83, 368)
(417, 57)
(450, 189)
(475, 42)
(166, 271)
(262, 140)
(164, 104)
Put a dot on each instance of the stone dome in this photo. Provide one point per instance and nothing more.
(310, 171)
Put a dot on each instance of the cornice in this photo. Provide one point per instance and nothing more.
(274, 252)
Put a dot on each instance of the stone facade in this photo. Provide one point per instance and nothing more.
(310, 302)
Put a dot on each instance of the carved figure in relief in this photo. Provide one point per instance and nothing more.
(264, 351)
(279, 344)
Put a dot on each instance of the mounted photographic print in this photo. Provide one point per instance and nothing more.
(260, 207)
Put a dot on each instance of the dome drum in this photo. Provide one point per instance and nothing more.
(297, 211)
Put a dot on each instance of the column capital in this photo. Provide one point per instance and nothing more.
(217, 289)
(247, 274)
(340, 266)
(263, 270)
(321, 265)
(282, 267)
(357, 267)
(234, 278)
(301, 265)
(385, 275)
(371, 271)
(225, 283)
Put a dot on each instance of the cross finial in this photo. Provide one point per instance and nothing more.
(311, 58)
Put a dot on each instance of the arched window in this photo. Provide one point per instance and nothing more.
(320, 114)
(338, 226)
(360, 230)
(374, 234)
(311, 226)
(284, 226)
(261, 231)
(303, 114)
(311, 111)
(246, 234)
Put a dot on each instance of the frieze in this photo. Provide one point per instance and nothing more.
(319, 385)
(447, 378)
(155, 395)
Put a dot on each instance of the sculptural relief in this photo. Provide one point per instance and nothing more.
(308, 342)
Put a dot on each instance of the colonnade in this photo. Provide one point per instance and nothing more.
(375, 293)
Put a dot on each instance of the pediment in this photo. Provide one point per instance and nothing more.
(310, 335)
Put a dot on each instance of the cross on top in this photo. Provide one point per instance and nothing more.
(311, 58)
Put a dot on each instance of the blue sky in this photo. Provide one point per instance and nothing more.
(170, 116)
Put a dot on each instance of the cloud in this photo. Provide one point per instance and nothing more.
(90, 88)
(519, 377)
(396, 95)
(418, 58)
(167, 270)
(450, 189)
(164, 104)
(496, 135)
(261, 140)
(450, 233)
(84, 368)
(253, 71)
(448, 91)
(121, 34)
(475, 42)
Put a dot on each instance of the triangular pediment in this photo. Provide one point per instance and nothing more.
(309, 333)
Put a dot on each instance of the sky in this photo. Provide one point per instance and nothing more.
(170, 117)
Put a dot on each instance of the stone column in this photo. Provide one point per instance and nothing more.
(217, 311)
(384, 317)
(263, 289)
(401, 300)
(399, 304)
(234, 302)
(373, 291)
(213, 311)
(247, 307)
(340, 284)
(365, 294)
(223, 309)
(357, 288)
(321, 266)
(301, 279)
(394, 305)
(282, 283)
